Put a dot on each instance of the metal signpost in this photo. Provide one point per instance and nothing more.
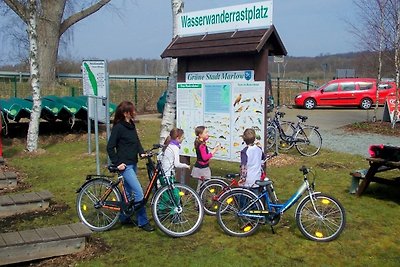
(96, 88)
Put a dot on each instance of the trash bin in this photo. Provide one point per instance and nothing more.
(161, 102)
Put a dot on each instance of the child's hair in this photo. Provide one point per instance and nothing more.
(198, 131)
(249, 136)
(173, 135)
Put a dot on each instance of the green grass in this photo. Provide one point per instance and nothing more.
(371, 236)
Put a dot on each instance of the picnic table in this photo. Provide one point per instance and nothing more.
(378, 165)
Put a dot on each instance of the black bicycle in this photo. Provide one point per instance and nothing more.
(306, 138)
(176, 208)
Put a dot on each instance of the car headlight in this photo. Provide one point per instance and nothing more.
(299, 96)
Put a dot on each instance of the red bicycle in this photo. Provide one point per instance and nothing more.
(213, 189)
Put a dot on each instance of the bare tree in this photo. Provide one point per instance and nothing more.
(45, 24)
(394, 22)
(379, 31)
(52, 22)
(169, 115)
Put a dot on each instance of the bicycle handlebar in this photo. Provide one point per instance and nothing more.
(304, 169)
(150, 153)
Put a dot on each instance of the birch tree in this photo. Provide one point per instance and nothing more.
(394, 16)
(169, 115)
(52, 22)
(379, 30)
(33, 130)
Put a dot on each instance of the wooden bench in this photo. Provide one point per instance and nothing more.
(24, 202)
(42, 243)
(8, 180)
(377, 165)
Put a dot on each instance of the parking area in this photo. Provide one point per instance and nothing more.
(332, 118)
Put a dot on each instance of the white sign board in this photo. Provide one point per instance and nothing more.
(240, 17)
(94, 78)
(242, 75)
(226, 109)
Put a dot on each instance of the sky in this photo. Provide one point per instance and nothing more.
(143, 28)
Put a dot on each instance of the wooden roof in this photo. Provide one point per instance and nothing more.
(249, 41)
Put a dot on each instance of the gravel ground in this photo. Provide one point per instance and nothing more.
(354, 143)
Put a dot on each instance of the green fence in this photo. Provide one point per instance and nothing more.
(143, 90)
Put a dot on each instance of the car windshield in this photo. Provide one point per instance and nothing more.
(319, 88)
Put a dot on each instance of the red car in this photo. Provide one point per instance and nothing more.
(346, 92)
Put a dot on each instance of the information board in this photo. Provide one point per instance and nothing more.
(94, 78)
(226, 109)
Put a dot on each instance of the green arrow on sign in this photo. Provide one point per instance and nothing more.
(92, 79)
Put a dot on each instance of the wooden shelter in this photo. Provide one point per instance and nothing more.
(227, 51)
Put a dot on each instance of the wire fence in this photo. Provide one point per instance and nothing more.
(142, 90)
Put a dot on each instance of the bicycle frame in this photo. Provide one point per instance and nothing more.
(153, 171)
(278, 208)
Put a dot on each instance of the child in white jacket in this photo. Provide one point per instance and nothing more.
(170, 157)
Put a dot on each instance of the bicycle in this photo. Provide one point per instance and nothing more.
(319, 217)
(276, 123)
(305, 138)
(212, 190)
(176, 208)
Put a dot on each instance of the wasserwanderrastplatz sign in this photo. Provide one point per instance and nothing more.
(240, 17)
(241, 75)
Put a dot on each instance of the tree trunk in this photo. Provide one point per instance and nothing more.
(33, 130)
(169, 114)
(397, 66)
(48, 41)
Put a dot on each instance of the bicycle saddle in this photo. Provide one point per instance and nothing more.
(280, 114)
(263, 183)
(232, 175)
(302, 118)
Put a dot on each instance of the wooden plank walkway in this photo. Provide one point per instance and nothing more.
(8, 180)
(42, 243)
(24, 202)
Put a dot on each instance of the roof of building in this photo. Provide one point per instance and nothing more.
(248, 41)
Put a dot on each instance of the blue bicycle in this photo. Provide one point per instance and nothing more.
(319, 217)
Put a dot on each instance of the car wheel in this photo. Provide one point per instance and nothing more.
(366, 103)
(309, 103)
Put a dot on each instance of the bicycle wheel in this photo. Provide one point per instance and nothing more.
(288, 129)
(323, 223)
(271, 137)
(233, 213)
(90, 205)
(209, 194)
(177, 211)
(308, 141)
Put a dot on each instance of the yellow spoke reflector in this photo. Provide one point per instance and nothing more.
(113, 199)
(247, 228)
(229, 200)
(326, 201)
(212, 190)
(181, 193)
(216, 207)
(84, 207)
(319, 234)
